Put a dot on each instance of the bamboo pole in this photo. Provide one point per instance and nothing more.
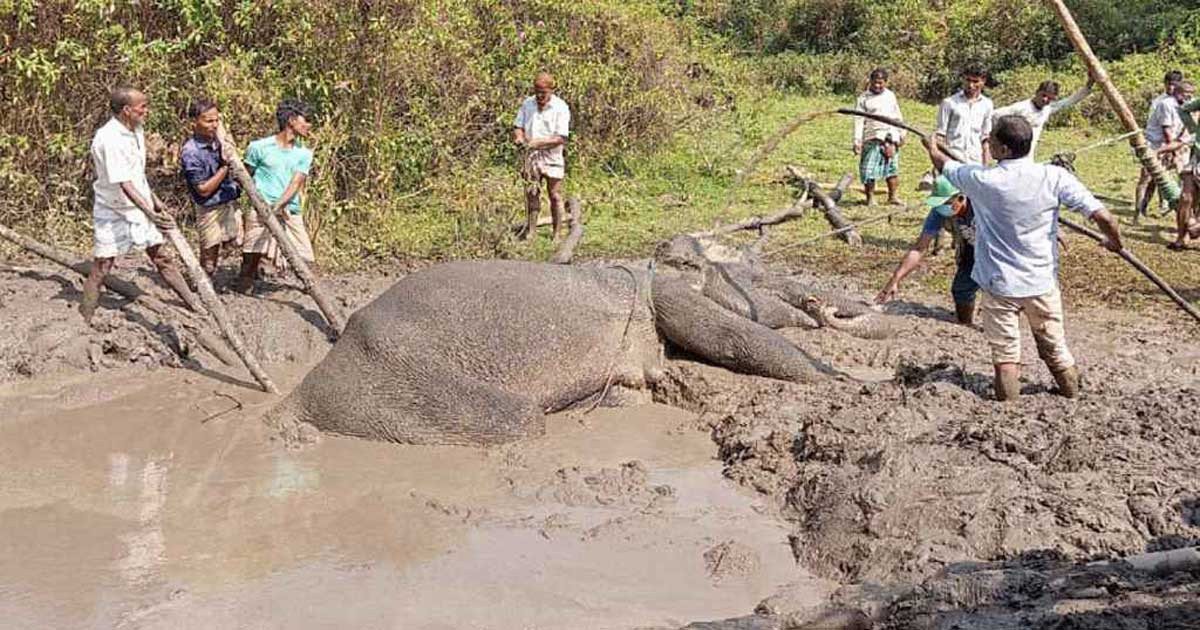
(1168, 188)
(127, 289)
(208, 296)
(1139, 265)
(332, 315)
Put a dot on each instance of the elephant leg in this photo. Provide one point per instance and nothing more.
(797, 294)
(701, 327)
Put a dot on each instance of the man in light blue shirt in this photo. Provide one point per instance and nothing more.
(1016, 250)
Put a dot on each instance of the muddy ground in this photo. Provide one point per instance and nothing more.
(143, 493)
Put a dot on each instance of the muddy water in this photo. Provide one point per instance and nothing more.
(137, 499)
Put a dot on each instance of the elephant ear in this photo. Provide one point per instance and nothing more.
(698, 325)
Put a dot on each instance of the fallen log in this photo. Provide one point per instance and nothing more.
(826, 204)
(839, 189)
(795, 211)
(1137, 264)
(131, 291)
(883, 217)
(574, 233)
(242, 176)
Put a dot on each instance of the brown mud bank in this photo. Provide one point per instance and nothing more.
(153, 498)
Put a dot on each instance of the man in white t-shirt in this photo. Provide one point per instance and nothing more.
(1162, 128)
(123, 203)
(541, 127)
(878, 144)
(964, 119)
(1044, 104)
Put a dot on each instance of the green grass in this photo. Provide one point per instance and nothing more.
(689, 184)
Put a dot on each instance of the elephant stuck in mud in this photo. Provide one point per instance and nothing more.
(476, 352)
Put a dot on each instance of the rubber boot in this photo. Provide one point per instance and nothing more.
(1068, 382)
(1008, 387)
(965, 313)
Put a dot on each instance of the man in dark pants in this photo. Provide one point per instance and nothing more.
(951, 210)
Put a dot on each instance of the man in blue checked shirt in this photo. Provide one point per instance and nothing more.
(206, 169)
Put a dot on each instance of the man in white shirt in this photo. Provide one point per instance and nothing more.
(1041, 107)
(123, 202)
(964, 120)
(541, 127)
(1016, 206)
(878, 144)
(1162, 128)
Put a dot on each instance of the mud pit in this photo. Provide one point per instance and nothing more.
(141, 498)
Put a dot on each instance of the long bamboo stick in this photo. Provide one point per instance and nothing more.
(332, 315)
(1137, 264)
(186, 319)
(1168, 188)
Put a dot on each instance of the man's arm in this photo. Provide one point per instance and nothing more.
(936, 156)
(987, 131)
(912, 259)
(293, 188)
(859, 123)
(1073, 194)
(1074, 99)
(1108, 225)
(547, 143)
(518, 136)
(943, 119)
(193, 172)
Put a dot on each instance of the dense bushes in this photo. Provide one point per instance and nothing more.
(402, 89)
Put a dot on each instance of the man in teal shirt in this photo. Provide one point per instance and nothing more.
(280, 165)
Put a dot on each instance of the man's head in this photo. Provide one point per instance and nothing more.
(1184, 91)
(877, 81)
(945, 199)
(974, 77)
(293, 115)
(205, 117)
(1047, 93)
(1011, 138)
(1170, 80)
(129, 104)
(543, 88)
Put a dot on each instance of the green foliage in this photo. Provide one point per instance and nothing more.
(404, 92)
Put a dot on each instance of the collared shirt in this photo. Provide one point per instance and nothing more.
(1164, 112)
(1037, 117)
(884, 104)
(1016, 221)
(962, 227)
(965, 124)
(554, 120)
(275, 166)
(118, 156)
(198, 162)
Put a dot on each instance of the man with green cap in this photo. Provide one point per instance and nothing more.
(951, 210)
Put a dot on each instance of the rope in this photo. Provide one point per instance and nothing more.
(637, 292)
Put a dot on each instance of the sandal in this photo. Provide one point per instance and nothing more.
(1176, 246)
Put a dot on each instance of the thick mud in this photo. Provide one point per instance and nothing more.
(146, 498)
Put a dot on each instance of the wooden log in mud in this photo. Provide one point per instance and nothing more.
(170, 317)
(795, 211)
(826, 204)
(332, 315)
(574, 233)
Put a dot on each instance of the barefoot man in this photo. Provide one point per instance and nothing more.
(123, 203)
(280, 165)
(541, 127)
(1016, 206)
(205, 168)
(878, 144)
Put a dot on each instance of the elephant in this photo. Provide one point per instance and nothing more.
(477, 352)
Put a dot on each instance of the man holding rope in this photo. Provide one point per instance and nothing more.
(542, 126)
(1016, 251)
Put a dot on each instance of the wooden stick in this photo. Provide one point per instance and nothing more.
(1149, 160)
(795, 211)
(875, 219)
(209, 297)
(827, 205)
(238, 170)
(953, 154)
(129, 290)
(574, 234)
(839, 189)
(1137, 264)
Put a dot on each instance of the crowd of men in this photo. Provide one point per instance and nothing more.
(1003, 216)
(128, 216)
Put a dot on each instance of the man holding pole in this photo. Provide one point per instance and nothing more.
(1016, 251)
(1042, 106)
(205, 168)
(1163, 126)
(280, 165)
(123, 205)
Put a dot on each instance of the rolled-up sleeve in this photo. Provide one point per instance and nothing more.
(193, 168)
(1074, 195)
